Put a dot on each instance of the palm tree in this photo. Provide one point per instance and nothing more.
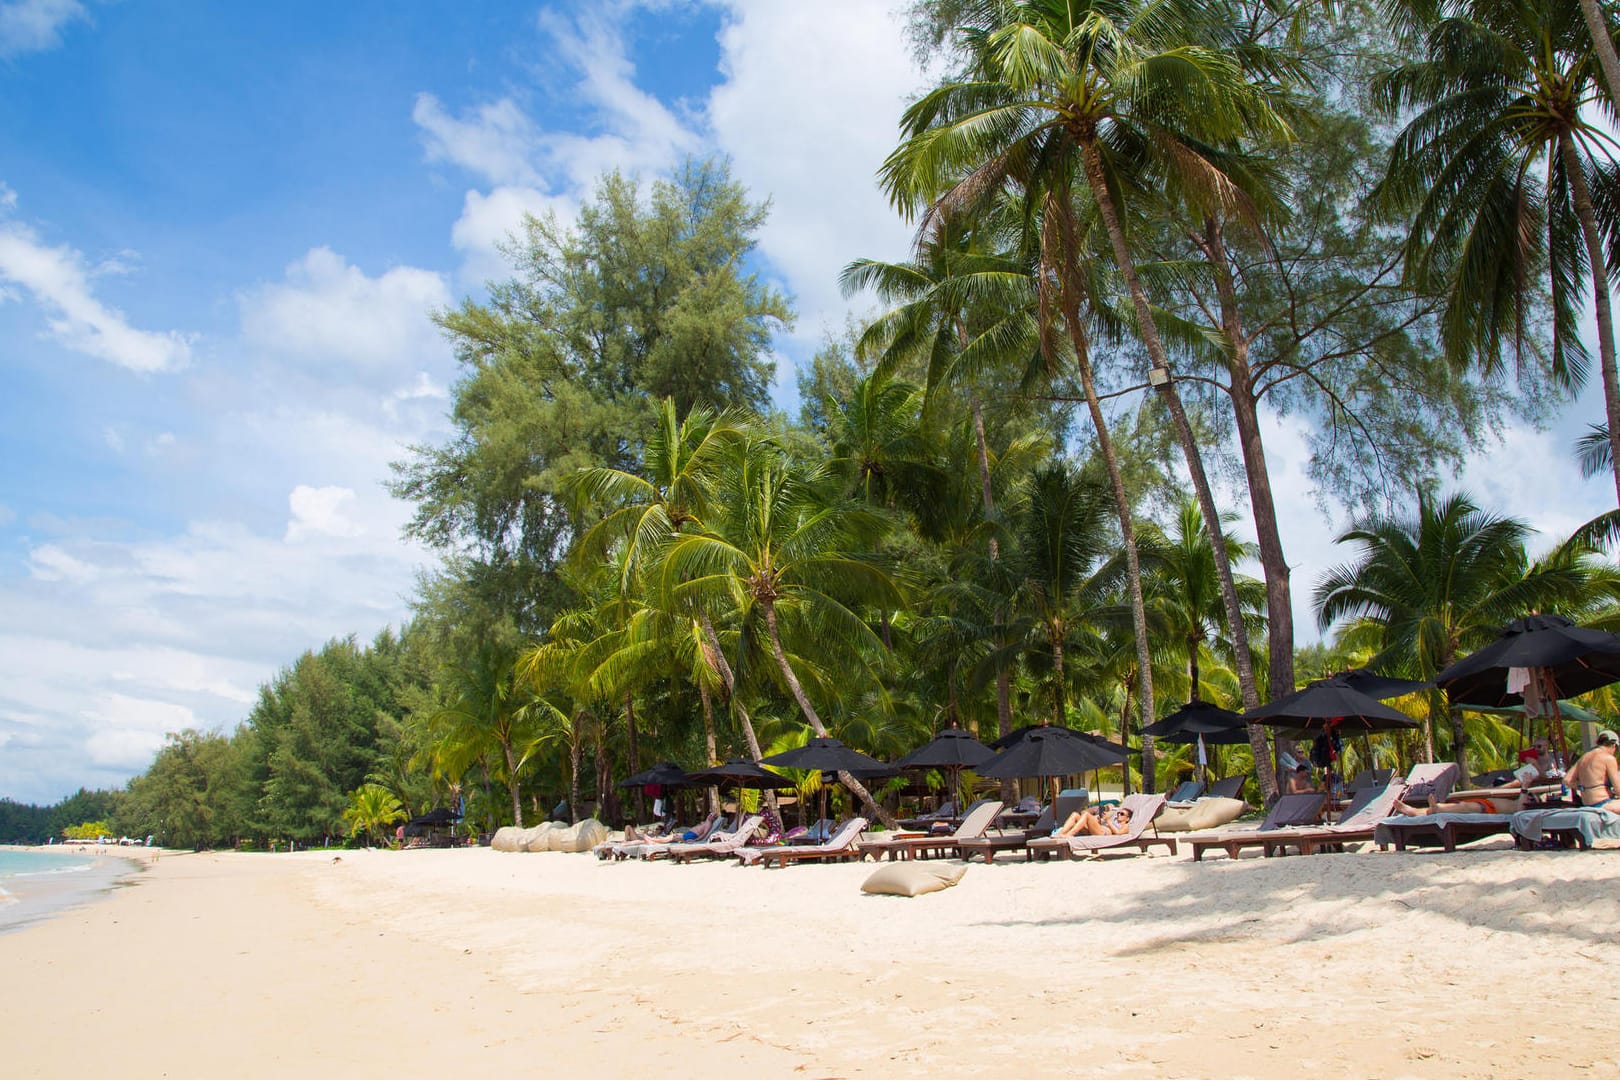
(372, 808)
(1121, 95)
(489, 712)
(1429, 587)
(1496, 171)
(1185, 592)
(779, 546)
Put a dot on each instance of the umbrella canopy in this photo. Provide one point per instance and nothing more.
(1378, 686)
(1326, 700)
(952, 748)
(665, 773)
(1048, 753)
(828, 755)
(1566, 709)
(1018, 735)
(432, 818)
(740, 773)
(1218, 726)
(1576, 658)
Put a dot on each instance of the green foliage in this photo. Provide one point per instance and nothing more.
(372, 808)
(88, 830)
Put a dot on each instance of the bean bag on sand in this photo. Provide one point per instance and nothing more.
(542, 836)
(912, 878)
(509, 838)
(1213, 813)
(581, 837)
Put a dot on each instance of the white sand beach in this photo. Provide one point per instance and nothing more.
(406, 963)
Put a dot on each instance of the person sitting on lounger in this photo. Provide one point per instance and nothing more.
(1595, 778)
(1299, 781)
(1114, 822)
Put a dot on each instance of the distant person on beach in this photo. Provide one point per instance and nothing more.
(1114, 822)
(1595, 778)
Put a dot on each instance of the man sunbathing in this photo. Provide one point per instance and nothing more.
(1595, 779)
(1116, 822)
(698, 832)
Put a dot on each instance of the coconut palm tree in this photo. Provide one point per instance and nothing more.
(1428, 587)
(1116, 97)
(372, 808)
(781, 548)
(1495, 172)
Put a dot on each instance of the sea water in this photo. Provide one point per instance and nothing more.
(35, 884)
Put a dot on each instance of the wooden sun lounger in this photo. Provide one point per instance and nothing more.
(1229, 788)
(1143, 808)
(840, 847)
(1288, 810)
(989, 846)
(713, 849)
(1445, 831)
(1358, 826)
(911, 847)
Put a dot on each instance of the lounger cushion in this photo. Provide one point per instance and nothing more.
(1211, 813)
(912, 878)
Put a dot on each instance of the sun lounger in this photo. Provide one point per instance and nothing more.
(977, 823)
(1143, 808)
(1358, 825)
(946, 815)
(1578, 826)
(1431, 782)
(1445, 831)
(1369, 778)
(1186, 793)
(1230, 788)
(718, 847)
(1289, 810)
(841, 846)
(990, 846)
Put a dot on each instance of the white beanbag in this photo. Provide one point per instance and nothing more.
(539, 837)
(912, 878)
(1212, 813)
(508, 838)
(581, 837)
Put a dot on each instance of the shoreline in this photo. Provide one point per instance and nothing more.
(375, 963)
(39, 896)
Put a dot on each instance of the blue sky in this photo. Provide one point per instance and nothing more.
(221, 228)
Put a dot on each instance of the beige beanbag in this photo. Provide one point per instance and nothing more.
(508, 838)
(581, 837)
(1175, 819)
(540, 837)
(912, 878)
(1211, 813)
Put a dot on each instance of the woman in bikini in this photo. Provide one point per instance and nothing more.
(1595, 778)
(1116, 822)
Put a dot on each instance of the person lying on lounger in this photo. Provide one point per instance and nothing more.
(1502, 800)
(701, 831)
(1595, 779)
(1114, 822)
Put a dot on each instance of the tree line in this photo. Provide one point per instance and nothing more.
(1140, 228)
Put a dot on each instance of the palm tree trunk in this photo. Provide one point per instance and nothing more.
(855, 786)
(1127, 533)
(1600, 293)
(1060, 702)
(1003, 675)
(708, 743)
(1603, 45)
(634, 763)
(512, 782)
(575, 755)
(737, 706)
(1189, 448)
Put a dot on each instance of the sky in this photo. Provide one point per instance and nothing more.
(222, 230)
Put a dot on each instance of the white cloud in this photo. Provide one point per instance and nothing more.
(160, 443)
(8, 197)
(113, 438)
(320, 511)
(495, 140)
(50, 563)
(487, 221)
(35, 25)
(328, 312)
(807, 111)
(126, 731)
(7, 515)
(59, 281)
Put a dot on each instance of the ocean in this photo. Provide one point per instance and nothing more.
(35, 885)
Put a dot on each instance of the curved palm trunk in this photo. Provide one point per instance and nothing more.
(1603, 45)
(1003, 676)
(1600, 292)
(633, 765)
(708, 743)
(1245, 414)
(1060, 697)
(1127, 532)
(742, 714)
(574, 760)
(512, 781)
(1189, 448)
(855, 786)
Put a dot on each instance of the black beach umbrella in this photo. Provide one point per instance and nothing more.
(1201, 722)
(1379, 686)
(740, 773)
(952, 749)
(829, 756)
(1575, 659)
(665, 774)
(1018, 735)
(1329, 704)
(1048, 753)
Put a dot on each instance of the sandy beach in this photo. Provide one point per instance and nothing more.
(405, 963)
